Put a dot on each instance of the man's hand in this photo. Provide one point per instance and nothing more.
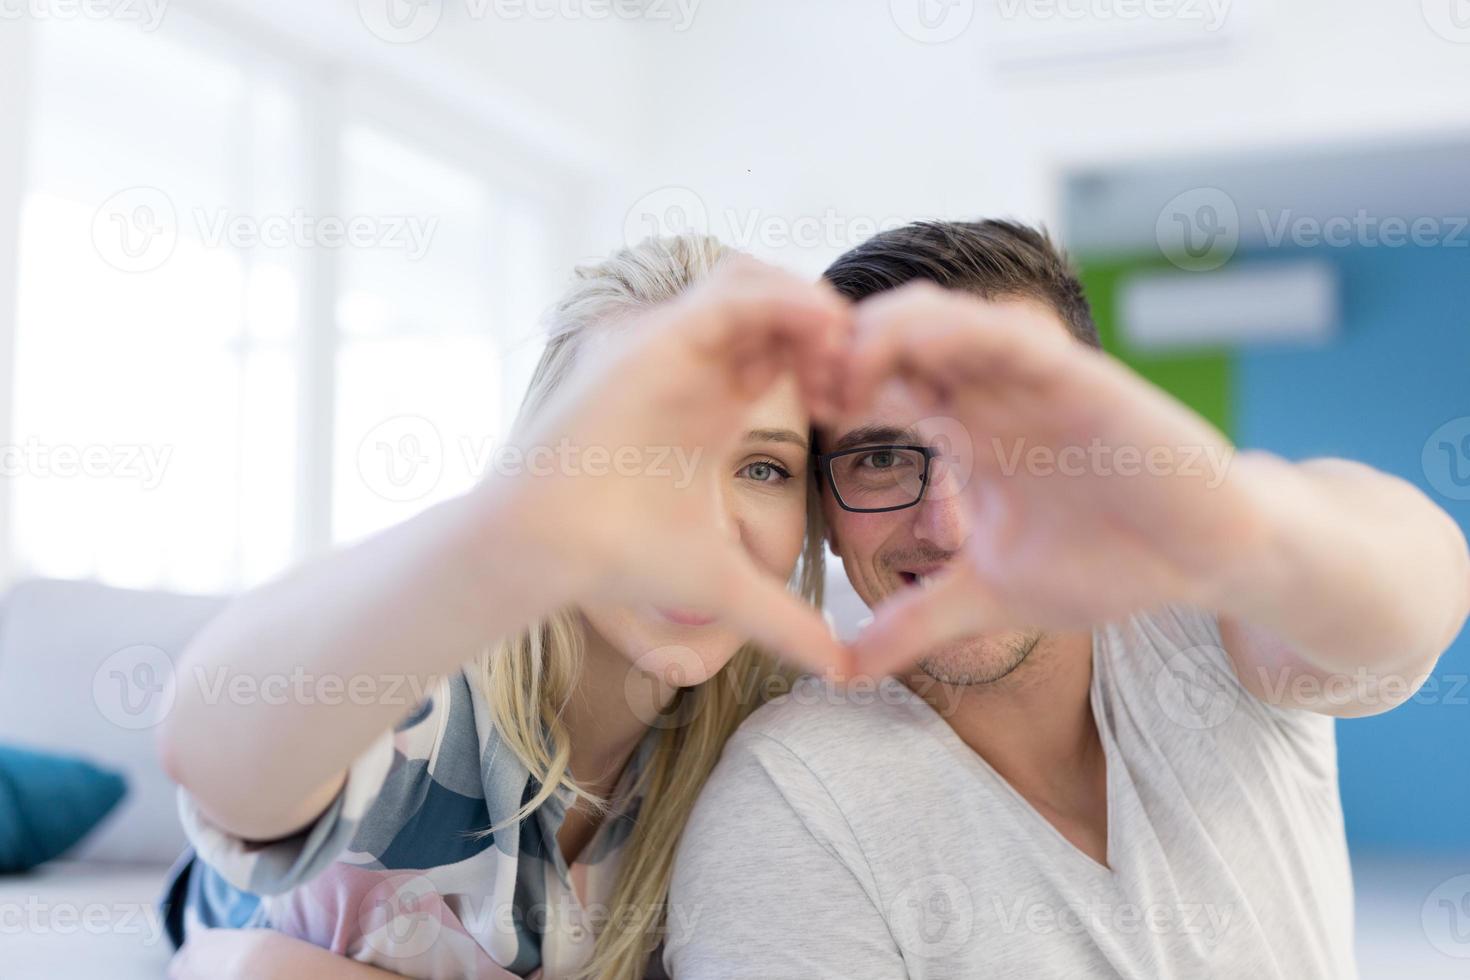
(1092, 493)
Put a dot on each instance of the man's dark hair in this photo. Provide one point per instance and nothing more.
(992, 259)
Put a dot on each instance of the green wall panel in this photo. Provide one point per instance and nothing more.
(1201, 379)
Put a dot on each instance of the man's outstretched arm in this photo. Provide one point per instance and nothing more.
(1337, 587)
(1359, 585)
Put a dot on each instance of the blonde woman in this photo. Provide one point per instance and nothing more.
(589, 632)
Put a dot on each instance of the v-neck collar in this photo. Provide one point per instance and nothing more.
(623, 805)
(976, 764)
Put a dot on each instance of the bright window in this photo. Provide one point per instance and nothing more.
(177, 369)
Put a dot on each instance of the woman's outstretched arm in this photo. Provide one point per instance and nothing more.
(281, 693)
(287, 686)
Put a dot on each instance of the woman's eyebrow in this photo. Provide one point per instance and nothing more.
(776, 435)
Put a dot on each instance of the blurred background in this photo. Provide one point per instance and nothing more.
(270, 272)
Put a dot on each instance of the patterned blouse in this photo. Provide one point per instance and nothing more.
(398, 871)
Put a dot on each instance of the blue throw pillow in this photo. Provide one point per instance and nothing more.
(48, 803)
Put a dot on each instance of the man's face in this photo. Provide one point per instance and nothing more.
(886, 552)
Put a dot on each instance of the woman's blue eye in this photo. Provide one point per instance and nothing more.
(763, 471)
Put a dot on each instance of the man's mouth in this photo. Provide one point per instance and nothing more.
(918, 577)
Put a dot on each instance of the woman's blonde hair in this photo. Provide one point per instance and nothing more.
(529, 678)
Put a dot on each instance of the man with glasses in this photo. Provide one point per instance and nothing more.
(1117, 649)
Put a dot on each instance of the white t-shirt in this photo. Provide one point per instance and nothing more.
(854, 835)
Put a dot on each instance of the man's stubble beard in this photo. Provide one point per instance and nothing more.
(969, 666)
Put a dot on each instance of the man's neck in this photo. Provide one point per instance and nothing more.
(1035, 725)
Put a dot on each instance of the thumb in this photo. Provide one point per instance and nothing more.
(785, 624)
(916, 621)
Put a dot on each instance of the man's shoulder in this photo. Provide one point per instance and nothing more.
(830, 727)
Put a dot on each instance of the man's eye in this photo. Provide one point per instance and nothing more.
(764, 471)
(881, 460)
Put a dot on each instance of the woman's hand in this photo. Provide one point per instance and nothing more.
(658, 403)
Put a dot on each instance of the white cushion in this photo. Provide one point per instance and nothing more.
(79, 663)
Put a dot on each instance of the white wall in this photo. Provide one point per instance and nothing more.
(789, 108)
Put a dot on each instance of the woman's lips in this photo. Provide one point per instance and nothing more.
(686, 617)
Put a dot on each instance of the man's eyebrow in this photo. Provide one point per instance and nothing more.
(777, 435)
(873, 434)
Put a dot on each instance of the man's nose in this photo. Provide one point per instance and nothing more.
(942, 517)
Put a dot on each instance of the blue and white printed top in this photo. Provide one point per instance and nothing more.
(398, 873)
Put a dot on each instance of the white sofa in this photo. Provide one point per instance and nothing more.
(70, 683)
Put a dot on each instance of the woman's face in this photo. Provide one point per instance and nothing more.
(765, 498)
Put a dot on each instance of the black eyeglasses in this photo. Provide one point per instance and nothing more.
(877, 479)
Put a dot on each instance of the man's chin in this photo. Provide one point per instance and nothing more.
(979, 659)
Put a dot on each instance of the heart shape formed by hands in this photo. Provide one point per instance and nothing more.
(1045, 549)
